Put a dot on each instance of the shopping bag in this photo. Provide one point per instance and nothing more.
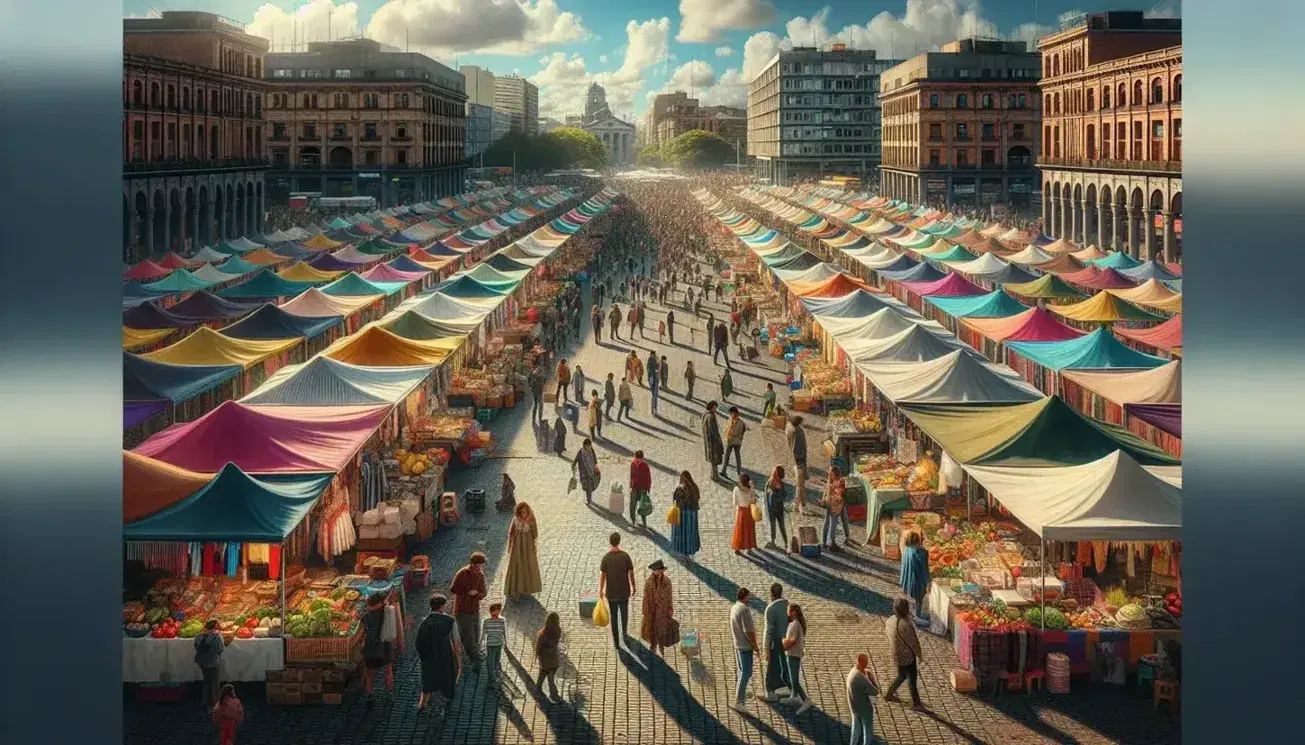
(673, 515)
(645, 506)
(600, 613)
(672, 636)
(571, 485)
(756, 513)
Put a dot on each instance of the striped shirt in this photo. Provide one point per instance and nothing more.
(495, 631)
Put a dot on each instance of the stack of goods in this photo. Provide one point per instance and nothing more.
(320, 614)
(488, 389)
(923, 477)
(388, 522)
(823, 380)
(449, 426)
(882, 471)
(992, 615)
(414, 473)
(860, 420)
(411, 463)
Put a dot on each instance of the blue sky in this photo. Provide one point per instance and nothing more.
(637, 48)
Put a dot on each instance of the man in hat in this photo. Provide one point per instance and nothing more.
(655, 626)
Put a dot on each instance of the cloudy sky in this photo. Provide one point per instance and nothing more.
(637, 48)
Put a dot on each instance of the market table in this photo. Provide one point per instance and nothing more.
(151, 660)
(983, 651)
(942, 612)
(878, 500)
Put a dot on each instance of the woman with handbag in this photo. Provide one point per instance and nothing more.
(747, 513)
(657, 614)
(684, 531)
(382, 632)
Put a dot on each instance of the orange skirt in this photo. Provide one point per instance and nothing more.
(745, 530)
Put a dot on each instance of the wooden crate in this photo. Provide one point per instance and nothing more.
(336, 649)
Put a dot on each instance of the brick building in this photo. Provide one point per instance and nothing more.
(1112, 132)
(960, 126)
(358, 118)
(192, 132)
(673, 114)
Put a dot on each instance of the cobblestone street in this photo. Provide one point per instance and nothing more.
(645, 698)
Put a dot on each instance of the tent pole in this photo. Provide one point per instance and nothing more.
(1042, 557)
(283, 578)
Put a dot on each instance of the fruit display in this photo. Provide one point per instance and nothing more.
(862, 419)
(1133, 616)
(993, 615)
(1174, 604)
(414, 463)
(923, 476)
(445, 427)
(873, 463)
(822, 379)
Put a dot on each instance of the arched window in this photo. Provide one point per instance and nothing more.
(185, 99)
(156, 95)
(933, 100)
(1091, 141)
(1157, 91)
(962, 101)
(986, 101)
(1046, 67)
(1056, 99)
(1055, 66)
(1137, 92)
(1105, 97)
(1091, 99)
(1122, 97)
(138, 93)
(1046, 105)
(172, 96)
(1176, 93)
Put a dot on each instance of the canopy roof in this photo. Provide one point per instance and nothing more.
(387, 273)
(235, 506)
(1112, 498)
(147, 380)
(857, 305)
(313, 303)
(137, 338)
(301, 272)
(268, 439)
(264, 257)
(376, 347)
(952, 285)
(1158, 385)
(804, 261)
(209, 254)
(878, 325)
(956, 377)
(1152, 292)
(985, 264)
(1031, 255)
(922, 272)
(352, 285)
(149, 485)
(1099, 350)
(818, 273)
(1152, 269)
(405, 264)
(464, 286)
(915, 344)
(1114, 260)
(1104, 307)
(1164, 417)
(506, 263)
(440, 307)
(323, 381)
(953, 255)
(272, 322)
(1046, 433)
(181, 280)
(996, 304)
(1035, 324)
(837, 286)
(1089, 254)
(147, 270)
(412, 325)
(1048, 287)
(487, 274)
(237, 266)
(135, 412)
(206, 273)
(266, 284)
(1098, 279)
(208, 347)
(148, 316)
(1167, 336)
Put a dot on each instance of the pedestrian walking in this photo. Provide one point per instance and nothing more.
(670, 325)
(768, 407)
(794, 646)
(776, 496)
(835, 509)
(664, 373)
(640, 489)
(548, 654)
(494, 631)
(914, 577)
(507, 491)
(654, 379)
(726, 385)
(559, 436)
(522, 576)
(661, 331)
(382, 632)
(774, 630)
(744, 537)
(578, 384)
(626, 398)
(594, 415)
(797, 444)
(585, 469)
(209, 648)
(632, 365)
(689, 377)
(468, 589)
(439, 652)
(616, 585)
(228, 714)
(614, 321)
(609, 396)
(632, 318)
(596, 321)
(684, 534)
(713, 447)
(656, 621)
(861, 691)
(537, 392)
(734, 431)
(745, 646)
(902, 638)
(563, 380)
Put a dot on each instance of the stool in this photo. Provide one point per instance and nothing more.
(1013, 680)
(420, 571)
(1035, 676)
(1166, 690)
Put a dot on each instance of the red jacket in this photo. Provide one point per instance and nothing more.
(640, 475)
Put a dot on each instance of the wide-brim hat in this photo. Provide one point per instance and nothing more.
(658, 565)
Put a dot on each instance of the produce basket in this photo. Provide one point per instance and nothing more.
(346, 649)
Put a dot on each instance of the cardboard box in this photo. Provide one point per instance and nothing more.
(311, 675)
(275, 691)
(293, 689)
(313, 688)
(295, 699)
(963, 681)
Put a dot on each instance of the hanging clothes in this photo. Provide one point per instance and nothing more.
(274, 561)
(233, 559)
(173, 558)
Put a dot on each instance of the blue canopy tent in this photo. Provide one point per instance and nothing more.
(147, 380)
(1099, 350)
(922, 272)
(266, 284)
(270, 322)
(996, 304)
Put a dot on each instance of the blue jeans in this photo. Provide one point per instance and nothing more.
(655, 390)
(492, 656)
(863, 729)
(795, 677)
(831, 526)
(745, 673)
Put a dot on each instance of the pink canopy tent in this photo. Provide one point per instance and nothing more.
(1094, 278)
(953, 285)
(267, 439)
(387, 273)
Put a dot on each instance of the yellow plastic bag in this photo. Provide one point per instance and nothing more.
(600, 613)
(756, 513)
(673, 515)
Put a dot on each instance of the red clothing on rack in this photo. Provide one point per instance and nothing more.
(274, 561)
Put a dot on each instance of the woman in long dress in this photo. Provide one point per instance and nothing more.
(657, 608)
(438, 650)
(745, 528)
(559, 435)
(684, 534)
(914, 575)
(586, 469)
(523, 560)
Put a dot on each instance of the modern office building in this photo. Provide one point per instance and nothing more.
(1112, 132)
(358, 118)
(815, 112)
(193, 166)
(518, 97)
(960, 126)
(480, 85)
(480, 130)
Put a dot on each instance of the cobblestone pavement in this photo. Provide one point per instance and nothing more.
(645, 698)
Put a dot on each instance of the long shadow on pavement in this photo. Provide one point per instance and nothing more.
(664, 685)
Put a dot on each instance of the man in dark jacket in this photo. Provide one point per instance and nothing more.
(208, 655)
(670, 325)
(720, 343)
(797, 443)
(537, 391)
(713, 447)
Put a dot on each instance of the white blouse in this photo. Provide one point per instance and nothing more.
(744, 497)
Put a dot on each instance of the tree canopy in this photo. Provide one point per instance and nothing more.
(698, 149)
(649, 157)
(582, 149)
(565, 147)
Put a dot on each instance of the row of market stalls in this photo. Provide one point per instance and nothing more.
(248, 513)
(1050, 529)
(183, 359)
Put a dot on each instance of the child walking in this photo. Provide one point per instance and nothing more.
(228, 714)
(494, 629)
(548, 653)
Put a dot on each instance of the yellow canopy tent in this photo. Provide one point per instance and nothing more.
(301, 272)
(373, 346)
(208, 347)
(137, 338)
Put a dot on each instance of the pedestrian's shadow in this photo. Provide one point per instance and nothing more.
(565, 720)
(721, 585)
(663, 684)
(822, 584)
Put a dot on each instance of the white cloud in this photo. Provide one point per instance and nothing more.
(442, 27)
(703, 20)
(724, 51)
(700, 81)
(758, 50)
(563, 80)
(316, 20)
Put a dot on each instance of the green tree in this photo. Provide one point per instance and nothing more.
(580, 149)
(698, 149)
(649, 157)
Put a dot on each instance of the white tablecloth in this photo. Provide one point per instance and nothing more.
(152, 660)
(938, 604)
